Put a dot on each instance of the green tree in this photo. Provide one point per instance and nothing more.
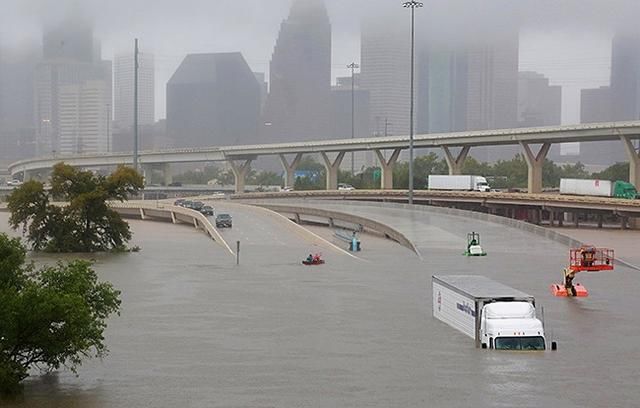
(317, 178)
(85, 223)
(49, 318)
(618, 171)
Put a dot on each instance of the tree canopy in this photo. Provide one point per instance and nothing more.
(84, 223)
(49, 318)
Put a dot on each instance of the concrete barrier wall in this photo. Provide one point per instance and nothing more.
(366, 223)
(170, 213)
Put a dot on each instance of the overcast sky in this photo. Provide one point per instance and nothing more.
(567, 40)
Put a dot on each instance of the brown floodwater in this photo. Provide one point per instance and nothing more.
(198, 331)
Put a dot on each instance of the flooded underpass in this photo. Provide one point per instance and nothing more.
(196, 330)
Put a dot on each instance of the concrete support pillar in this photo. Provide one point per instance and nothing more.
(290, 169)
(147, 173)
(386, 166)
(634, 161)
(535, 163)
(332, 168)
(240, 173)
(26, 176)
(576, 219)
(600, 220)
(166, 174)
(560, 216)
(455, 163)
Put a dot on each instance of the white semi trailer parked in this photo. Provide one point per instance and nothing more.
(494, 315)
(460, 183)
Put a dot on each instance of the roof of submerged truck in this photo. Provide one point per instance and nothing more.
(481, 287)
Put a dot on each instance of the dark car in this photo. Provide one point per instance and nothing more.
(207, 210)
(175, 184)
(197, 205)
(187, 204)
(179, 202)
(224, 221)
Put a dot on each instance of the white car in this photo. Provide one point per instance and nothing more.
(14, 183)
(345, 187)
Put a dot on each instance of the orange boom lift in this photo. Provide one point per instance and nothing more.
(587, 258)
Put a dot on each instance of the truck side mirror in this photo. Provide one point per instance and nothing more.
(554, 345)
(484, 345)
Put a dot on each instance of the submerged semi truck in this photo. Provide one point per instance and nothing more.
(494, 315)
(458, 183)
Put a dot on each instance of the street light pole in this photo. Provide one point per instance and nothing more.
(353, 66)
(135, 106)
(413, 4)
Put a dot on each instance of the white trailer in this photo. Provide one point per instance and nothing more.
(601, 188)
(494, 315)
(458, 183)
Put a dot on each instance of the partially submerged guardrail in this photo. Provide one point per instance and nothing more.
(173, 214)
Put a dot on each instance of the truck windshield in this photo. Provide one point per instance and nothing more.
(519, 343)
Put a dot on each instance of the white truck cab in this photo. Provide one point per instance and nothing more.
(511, 326)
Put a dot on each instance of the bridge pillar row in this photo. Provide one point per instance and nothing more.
(634, 161)
(535, 163)
(455, 163)
(290, 169)
(386, 166)
(332, 168)
(240, 172)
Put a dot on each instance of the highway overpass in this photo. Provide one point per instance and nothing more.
(333, 151)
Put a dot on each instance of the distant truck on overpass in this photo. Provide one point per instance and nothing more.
(598, 188)
(460, 183)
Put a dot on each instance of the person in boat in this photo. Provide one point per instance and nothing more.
(316, 258)
(310, 258)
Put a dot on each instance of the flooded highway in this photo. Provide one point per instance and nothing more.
(198, 331)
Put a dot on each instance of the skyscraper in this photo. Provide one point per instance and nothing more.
(625, 77)
(71, 57)
(123, 73)
(297, 107)
(385, 73)
(539, 104)
(213, 100)
(17, 133)
(492, 84)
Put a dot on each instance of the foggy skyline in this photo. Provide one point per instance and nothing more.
(569, 42)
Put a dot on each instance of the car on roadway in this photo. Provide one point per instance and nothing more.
(224, 221)
(345, 187)
(14, 183)
(207, 210)
(175, 184)
(287, 189)
(197, 205)
(179, 202)
(187, 204)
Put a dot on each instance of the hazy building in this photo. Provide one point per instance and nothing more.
(297, 107)
(17, 132)
(441, 101)
(539, 104)
(83, 117)
(492, 85)
(213, 100)
(70, 60)
(625, 77)
(341, 120)
(264, 89)
(123, 90)
(385, 73)
(596, 106)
